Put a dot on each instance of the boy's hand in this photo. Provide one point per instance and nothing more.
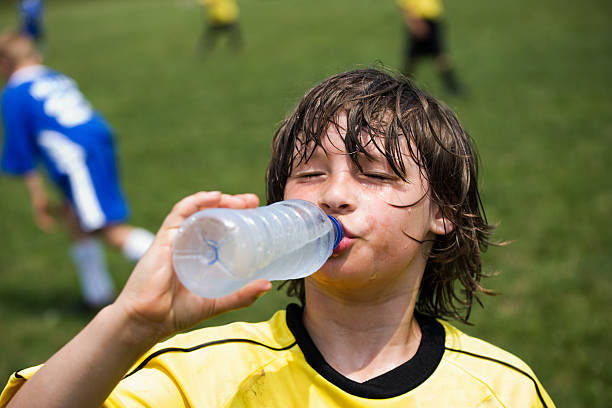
(43, 215)
(155, 299)
(41, 210)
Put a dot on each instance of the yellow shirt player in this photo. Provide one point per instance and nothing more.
(276, 364)
(369, 330)
(221, 21)
(425, 38)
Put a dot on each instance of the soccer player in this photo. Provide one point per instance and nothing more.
(221, 20)
(397, 169)
(47, 120)
(425, 38)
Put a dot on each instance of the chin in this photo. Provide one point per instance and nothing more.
(348, 277)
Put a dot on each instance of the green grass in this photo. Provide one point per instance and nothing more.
(538, 75)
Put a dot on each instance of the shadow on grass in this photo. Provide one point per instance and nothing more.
(24, 300)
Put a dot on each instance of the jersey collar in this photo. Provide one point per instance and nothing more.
(396, 382)
(26, 74)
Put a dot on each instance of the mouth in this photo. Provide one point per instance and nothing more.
(345, 242)
(343, 245)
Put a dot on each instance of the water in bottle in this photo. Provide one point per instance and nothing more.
(219, 250)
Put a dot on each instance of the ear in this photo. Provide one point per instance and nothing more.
(6, 68)
(440, 223)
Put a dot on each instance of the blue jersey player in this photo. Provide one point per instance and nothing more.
(48, 121)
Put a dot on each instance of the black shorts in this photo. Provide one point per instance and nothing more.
(432, 44)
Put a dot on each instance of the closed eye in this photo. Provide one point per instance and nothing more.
(378, 176)
(309, 175)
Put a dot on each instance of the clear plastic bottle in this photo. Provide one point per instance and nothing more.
(217, 251)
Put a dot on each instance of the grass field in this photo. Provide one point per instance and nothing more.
(539, 107)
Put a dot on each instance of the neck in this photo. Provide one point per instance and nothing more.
(29, 62)
(362, 339)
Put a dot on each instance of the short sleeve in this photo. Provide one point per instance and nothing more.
(14, 384)
(149, 388)
(18, 151)
(154, 389)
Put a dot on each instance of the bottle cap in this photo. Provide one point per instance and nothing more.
(339, 231)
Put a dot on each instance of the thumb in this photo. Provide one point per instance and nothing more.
(242, 297)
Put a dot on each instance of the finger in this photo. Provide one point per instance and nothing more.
(207, 199)
(242, 297)
(239, 201)
(250, 200)
(189, 205)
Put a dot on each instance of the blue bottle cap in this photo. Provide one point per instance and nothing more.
(339, 231)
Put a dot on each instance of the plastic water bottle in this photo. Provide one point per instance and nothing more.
(217, 251)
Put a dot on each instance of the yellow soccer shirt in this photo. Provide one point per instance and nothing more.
(276, 364)
(221, 11)
(429, 9)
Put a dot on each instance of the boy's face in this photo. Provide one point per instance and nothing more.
(377, 253)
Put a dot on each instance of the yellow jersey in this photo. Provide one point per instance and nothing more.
(221, 11)
(429, 9)
(276, 364)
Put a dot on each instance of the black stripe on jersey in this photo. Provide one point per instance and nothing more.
(17, 375)
(200, 346)
(535, 383)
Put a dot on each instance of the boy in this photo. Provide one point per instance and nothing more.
(424, 37)
(46, 119)
(399, 172)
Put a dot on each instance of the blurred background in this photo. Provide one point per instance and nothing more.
(537, 77)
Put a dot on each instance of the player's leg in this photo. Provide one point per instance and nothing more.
(409, 55)
(132, 241)
(442, 60)
(209, 37)
(82, 214)
(90, 181)
(87, 254)
(235, 36)
(448, 75)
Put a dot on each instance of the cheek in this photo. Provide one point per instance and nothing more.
(370, 222)
(293, 191)
(386, 231)
(395, 232)
(374, 222)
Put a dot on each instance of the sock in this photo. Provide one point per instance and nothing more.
(96, 284)
(137, 243)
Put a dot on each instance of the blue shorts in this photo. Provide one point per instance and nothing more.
(90, 181)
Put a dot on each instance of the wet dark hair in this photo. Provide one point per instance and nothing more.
(392, 111)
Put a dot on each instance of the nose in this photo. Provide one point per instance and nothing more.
(338, 195)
